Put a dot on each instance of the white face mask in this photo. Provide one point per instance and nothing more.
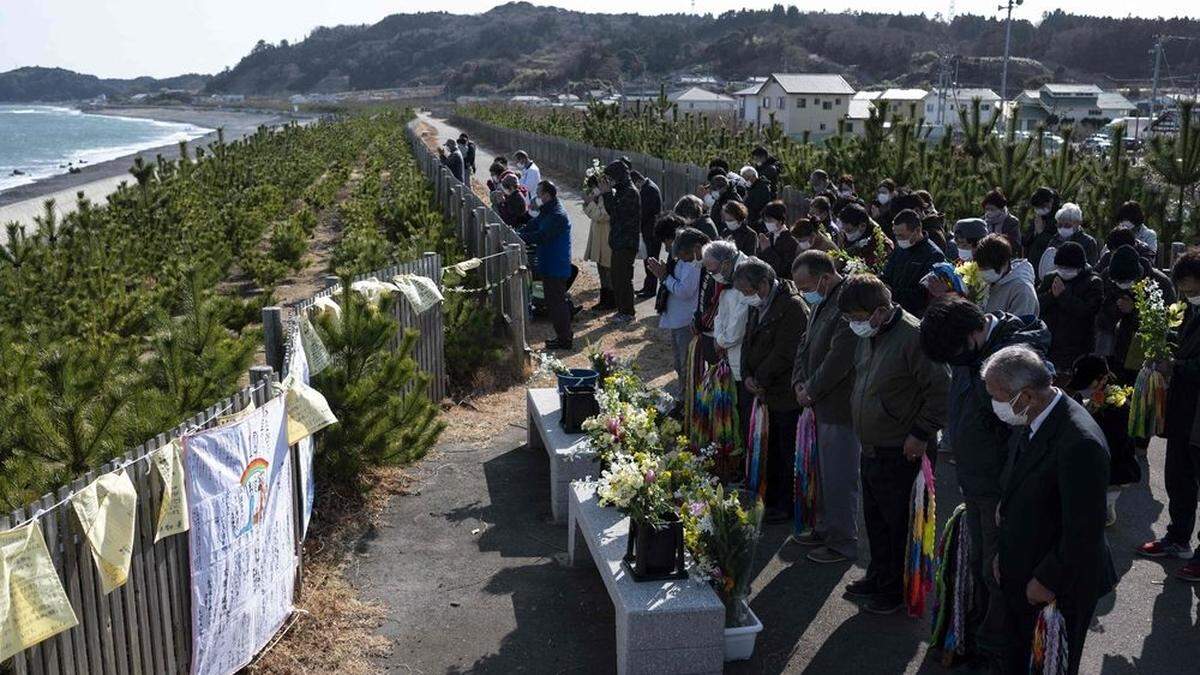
(1043, 212)
(772, 226)
(994, 216)
(853, 235)
(805, 244)
(884, 197)
(754, 300)
(1068, 273)
(965, 254)
(1124, 225)
(863, 328)
(1004, 410)
(1194, 300)
(710, 199)
(732, 224)
(845, 192)
(1123, 285)
(1066, 232)
(904, 243)
(990, 276)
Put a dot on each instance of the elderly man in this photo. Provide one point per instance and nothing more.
(898, 405)
(758, 195)
(823, 378)
(718, 261)
(530, 174)
(774, 327)
(1069, 220)
(1052, 511)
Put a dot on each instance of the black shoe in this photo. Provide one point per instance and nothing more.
(645, 294)
(863, 588)
(559, 345)
(883, 604)
(607, 302)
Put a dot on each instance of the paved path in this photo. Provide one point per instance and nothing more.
(470, 571)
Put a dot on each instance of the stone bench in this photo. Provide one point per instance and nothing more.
(569, 457)
(662, 626)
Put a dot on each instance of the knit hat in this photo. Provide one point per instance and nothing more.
(970, 229)
(617, 171)
(1070, 255)
(1125, 265)
(1086, 370)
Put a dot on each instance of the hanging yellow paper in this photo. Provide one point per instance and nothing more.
(106, 512)
(33, 605)
(307, 411)
(173, 514)
(314, 349)
(235, 416)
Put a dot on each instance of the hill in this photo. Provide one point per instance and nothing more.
(522, 47)
(57, 84)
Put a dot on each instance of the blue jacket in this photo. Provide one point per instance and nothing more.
(550, 230)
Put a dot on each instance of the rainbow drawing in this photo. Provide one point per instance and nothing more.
(254, 481)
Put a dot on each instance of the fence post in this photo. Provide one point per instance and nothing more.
(518, 305)
(475, 229)
(330, 280)
(1178, 248)
(273, 337)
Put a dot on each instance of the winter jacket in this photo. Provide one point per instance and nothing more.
(758, 196)
(705, 225)
(624, 206)
(781, 253)
(1015, 292)
(729, 195)
(454, 161)
(904, 270)
(744, 237)
(729, 329)
(978, 437)
(469, 156)
(769, 347)
(513, 209)
(1091, 251)
(825, 361)
(771, 169)
(1071, 317)
(1010, 227)
(651, 206)
(1123, 466)
(898, 391)
(1034, 243)
(1124, 326)
(1184, 389)
(550, 230)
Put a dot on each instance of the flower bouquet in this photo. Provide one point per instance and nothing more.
(591, 177)
(722, 536)
(620, 429)
(642, 486)
(972, 278)
(1147, 407)
(606, 362)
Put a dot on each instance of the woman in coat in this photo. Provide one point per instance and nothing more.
(598, 251)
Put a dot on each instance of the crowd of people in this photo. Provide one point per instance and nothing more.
(1002, 344)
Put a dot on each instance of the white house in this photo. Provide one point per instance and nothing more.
(537, 101)
(861, 105)
(902, 103)
(1057, 103)
(942, 106)
(800, 103)
(703, 102)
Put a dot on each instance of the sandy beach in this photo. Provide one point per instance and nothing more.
(97, 181)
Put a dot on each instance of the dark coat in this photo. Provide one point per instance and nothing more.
(1090, 248)
(1053, 510)
(469, 156)
(513, 210)
(979, 438)
(825, 361)
(1184, 389)
(758, 196)
(729, 195)
(550, 230)
(1123, 467)
(771, 170)
(705, 225)
(1071, 317)
(1010, 227)
(781, 253)
(624, 206)
(1124, 326)
(454, 161)
(904, 270)
(745, 238)
(769, 347)
(651, 201)
(1034, 242)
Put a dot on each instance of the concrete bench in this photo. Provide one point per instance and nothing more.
(569, 457)
(662, 626)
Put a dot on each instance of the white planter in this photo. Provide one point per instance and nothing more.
(739, 640)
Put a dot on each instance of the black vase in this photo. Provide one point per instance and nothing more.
(655, 553)
(578, 404)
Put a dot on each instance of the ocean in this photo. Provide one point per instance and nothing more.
(40, 141)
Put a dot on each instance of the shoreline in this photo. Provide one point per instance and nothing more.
(21, 202)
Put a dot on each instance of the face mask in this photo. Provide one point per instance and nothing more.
(1124, 285)
(812, 297)
(719, 278)
(884, 198)
(990, 276)
(1042, 212)
(863, 328)
(805, 244)
(1004, 410)
(846, 192)
(1067, 273)
(710, 199)
(993, 216)
(1124, 225)
(1066, 232)
(772, 226)
(1194, 300)
(904, 243)
(965, 254)
(818, 187)
(732, 224)
(853, 235)
(752, 300)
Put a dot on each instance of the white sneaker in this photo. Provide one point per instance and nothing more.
(1112, 516)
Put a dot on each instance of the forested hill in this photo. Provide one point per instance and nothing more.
(521, 47)
(57, 84)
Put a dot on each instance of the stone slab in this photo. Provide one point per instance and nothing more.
(568, 454)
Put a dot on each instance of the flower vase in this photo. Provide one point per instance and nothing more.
(578, 404)
(741, 632)
(655, 553)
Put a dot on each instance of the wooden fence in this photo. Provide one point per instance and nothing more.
(505, 269)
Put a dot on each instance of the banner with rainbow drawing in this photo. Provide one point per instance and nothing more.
(239, 488)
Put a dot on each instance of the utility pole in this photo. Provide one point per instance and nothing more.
(1007, 46)
(1157, 51)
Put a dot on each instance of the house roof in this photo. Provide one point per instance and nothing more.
(904, 94)
(752, 90)
(967, 94)
(1059, 89)
(812, 83)
(1111, 100)
(698, 95)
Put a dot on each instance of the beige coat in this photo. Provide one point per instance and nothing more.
(598, 250)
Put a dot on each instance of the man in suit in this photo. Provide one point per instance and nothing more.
(1052, 509)
(651, 197)
(1182, 468)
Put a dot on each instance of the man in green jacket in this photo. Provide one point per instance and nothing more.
(823, 379)
(898, 405)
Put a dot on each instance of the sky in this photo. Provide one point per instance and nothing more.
(127, 38)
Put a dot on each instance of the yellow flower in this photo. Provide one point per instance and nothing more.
(1175, 314)
(1117, 396)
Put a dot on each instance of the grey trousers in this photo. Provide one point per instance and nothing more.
(680, 339)
(988, 616)
(838, 456)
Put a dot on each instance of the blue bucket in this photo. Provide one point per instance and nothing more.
(577, 377)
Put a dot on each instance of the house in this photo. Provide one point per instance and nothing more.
(536, 101)
(861, 105)
(942, 106)
(1057, 103)
(802, 103)
(903, 103)
(1113, 105)
(703, 102)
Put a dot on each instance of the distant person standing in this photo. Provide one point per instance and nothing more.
(1000, 221)
(550, 230)
(529, 172)
(467, 147)
(624, 207)
(452, 159)
(651, 200)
